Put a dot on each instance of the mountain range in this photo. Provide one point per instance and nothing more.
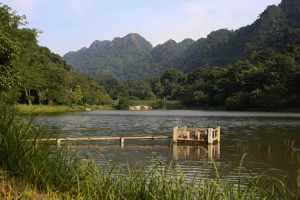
(133, 57)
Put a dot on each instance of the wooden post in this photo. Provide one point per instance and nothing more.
(175, 151)
(210, 151)
(198, 134)
(58, 142)
(187, 134)
(122, 141)
(218, 133)
(218, 150)
(175, 134)
(209, 136)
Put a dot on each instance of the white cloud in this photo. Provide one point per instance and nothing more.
(198, 19)
(184, 21)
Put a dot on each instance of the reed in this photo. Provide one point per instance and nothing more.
(49, 172)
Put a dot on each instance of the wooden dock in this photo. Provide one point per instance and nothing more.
(121, 139)
(180, 135)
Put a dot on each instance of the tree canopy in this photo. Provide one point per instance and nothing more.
(30, 73)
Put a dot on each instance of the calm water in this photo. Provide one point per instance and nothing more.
(263, 136)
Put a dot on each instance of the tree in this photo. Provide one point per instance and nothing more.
(111, 85)
(123, 103)
(77, 95)
(172, 81)
(239, 101)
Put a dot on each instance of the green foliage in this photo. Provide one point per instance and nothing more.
(8, 71)
(130, 57)
(137, 89)
(44, 77)
(158, 104)
(37, 163)
(238, 101)
(125, 58)
(171, 81)
(9, 48)
(111, 85)
(268, 80)
(123, 103)
(77, 96)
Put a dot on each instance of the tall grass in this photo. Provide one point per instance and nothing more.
(24, 108)
(56, 173)
(29, 109)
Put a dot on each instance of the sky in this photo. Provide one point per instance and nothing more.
(69, 25)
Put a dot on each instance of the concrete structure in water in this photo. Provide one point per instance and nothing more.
(209, 135)
(140, 107)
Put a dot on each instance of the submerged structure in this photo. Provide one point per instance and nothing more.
(209, 135)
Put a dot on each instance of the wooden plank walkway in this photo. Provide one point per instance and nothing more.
(121, 139)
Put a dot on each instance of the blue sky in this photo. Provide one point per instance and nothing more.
(69, 25)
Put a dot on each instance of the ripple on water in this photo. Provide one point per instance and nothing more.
(261, 135)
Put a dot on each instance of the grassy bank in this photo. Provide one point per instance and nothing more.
(41, 171)
(24, 108)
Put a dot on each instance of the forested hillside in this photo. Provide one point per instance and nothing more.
(127, 57)
(276, 28)
(33, 74)
(263, 71)
(130, 57)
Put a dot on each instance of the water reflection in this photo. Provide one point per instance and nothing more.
(211, 151)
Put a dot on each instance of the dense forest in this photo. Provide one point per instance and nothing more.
(32, 74)
(267, 80)
(255, 67)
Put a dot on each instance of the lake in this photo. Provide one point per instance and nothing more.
(266, 137)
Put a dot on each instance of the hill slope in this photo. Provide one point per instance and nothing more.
(276, 28)
(120, 57)
(133, 57)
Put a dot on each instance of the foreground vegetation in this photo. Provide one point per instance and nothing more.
(29, 170)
